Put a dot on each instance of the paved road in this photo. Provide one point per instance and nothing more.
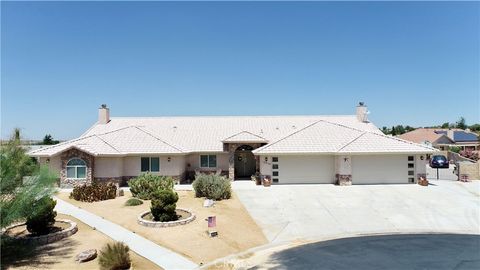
(315, 212)
(447, 251)
(161, 256)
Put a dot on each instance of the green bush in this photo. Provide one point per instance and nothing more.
(42, 216)
(114, 256)
(163, 205)
(455, 149)
(94, 192)
(144, 185)
(212, 186)
(133, 202)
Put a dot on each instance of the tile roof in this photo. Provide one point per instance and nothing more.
(181, 135)
(245, 136)
(421, 135)
(332, 138)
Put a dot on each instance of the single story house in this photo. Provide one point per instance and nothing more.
(443, 139)
(291, 149)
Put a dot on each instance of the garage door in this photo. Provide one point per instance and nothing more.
(305, 169)
(380, 169)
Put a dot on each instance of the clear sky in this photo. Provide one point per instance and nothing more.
(415, 63)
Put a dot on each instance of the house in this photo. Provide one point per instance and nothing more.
(291, 149)
(443, 139)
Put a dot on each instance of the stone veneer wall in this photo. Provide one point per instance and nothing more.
(122, 181)
(343, 179)
(75, 153)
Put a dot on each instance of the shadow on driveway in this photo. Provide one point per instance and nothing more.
(421, 251)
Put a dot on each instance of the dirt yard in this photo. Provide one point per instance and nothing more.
(61, 255)
(236, 229)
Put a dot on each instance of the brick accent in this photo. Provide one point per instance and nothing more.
(343, 179)
(75, 153)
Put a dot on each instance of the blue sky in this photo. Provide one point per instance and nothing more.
(413, 63)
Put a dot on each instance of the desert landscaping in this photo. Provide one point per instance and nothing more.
(236, 229)
(61, 254)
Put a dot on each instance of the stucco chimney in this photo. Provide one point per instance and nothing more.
(103, 114)
(362, 112)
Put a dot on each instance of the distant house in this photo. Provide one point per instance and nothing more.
(443, 138)
(344, 149)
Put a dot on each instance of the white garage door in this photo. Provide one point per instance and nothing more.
(305, 169)
(380, 169)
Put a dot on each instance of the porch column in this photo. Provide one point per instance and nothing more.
(343, 170)
(231, 161)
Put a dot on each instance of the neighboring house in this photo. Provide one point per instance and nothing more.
(292, 149)
(443, 138)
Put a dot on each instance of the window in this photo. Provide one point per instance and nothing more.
(275, 180)
(275, 173)
(274, 159)
(150, 164)
(410, 165)
(410, 158)
(76, 168)
(410, 172)
(275, 166)
(208, 161)
(411, 180)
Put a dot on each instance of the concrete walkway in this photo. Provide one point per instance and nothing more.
(163, 257)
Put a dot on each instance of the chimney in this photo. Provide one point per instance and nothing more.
(103, 114)
(450, 134)
(362, 112)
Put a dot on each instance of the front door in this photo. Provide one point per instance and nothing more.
(245, 163)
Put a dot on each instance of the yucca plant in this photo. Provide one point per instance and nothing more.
(114, 256)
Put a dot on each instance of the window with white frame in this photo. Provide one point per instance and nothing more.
(76, 169)
(208, 161)
(150, 164)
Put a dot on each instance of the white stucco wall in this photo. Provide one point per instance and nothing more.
(54, 164)
(306, 169)
(176, 166)
(265, 166)
(380, 169)
(343, 165)
(108, 167)
(194, 161)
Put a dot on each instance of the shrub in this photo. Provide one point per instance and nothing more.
(114, 256)
(94, 192)
(163, 205)
(144, 185)
(133, 202)
(455, 149)
(211, 186)
(42, 216)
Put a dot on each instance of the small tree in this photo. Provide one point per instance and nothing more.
(22, 182)
(446, 125)
(48, 140)
(393, 132)
(461, 123)
(164, 203)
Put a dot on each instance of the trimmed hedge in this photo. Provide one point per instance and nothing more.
(94, 192)
(212, 186)
(42, 217)
(133, 202)
(163, 205)
(146, 184)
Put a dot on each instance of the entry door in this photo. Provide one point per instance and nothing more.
(244, 164)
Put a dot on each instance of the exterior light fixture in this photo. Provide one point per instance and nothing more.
(169, 158)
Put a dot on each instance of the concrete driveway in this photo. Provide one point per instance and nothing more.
(316, 212)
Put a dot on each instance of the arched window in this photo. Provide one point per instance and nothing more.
(76, 168)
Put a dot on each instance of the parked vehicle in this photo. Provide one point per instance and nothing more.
(439, 161)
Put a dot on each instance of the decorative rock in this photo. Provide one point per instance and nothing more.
(158, 224)
(86, 255)
(208, 203)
